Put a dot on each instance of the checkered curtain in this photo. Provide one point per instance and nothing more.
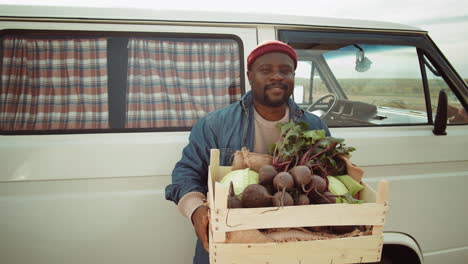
(174, 83)
(52, 84)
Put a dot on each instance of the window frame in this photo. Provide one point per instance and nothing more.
(117, 83)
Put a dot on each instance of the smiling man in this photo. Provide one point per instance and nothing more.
(250, 123)
(271, 75)
(272, 79)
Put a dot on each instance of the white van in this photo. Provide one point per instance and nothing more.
(96, 105)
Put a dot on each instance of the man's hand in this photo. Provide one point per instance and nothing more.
(200, 221)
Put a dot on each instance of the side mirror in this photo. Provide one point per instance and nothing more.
(440, 122)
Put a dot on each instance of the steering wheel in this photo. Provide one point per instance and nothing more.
(321, 101)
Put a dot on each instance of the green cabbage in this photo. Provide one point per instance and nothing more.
(352, 185)
(240, 179)
(336, 186)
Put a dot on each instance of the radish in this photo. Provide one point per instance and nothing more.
(283, 181)
(322, 198)
(302, 176)
(317, 183)
(233, 201)
(256, 195)
(281, 199)
(302, 200)
(266, 174)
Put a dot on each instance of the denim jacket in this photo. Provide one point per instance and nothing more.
(227, 129)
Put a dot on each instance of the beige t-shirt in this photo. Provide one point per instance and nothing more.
(266, 132)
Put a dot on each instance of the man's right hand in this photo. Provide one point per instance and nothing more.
(200, 221)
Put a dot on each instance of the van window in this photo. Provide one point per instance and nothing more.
(361, 84)
(364, 79)
(54, 84)
(456, 114)
(172, 83)
(80, 83)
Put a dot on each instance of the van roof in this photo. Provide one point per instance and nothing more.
(140, 14)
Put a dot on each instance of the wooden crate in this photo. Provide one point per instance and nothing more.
(342, 250)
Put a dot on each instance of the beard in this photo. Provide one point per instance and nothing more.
(266, 100)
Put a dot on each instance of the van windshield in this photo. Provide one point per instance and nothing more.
(359, 84)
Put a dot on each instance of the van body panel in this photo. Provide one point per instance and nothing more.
(107, 220)
(190, 16)
(39, 158)
(457, 255)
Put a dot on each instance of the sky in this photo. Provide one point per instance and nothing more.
(446, 21)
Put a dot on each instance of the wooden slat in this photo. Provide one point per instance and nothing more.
(211, 244)
(214, 158)
(344, 250)
(382, 194)
(222, 171)
(306, 215)
(215, 174)
(382, 191)
(213, 171)
(367, 194)
(210, 194)
(218, 220)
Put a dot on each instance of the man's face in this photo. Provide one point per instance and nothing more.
(272, 79)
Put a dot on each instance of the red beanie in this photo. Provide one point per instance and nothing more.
(271, 46)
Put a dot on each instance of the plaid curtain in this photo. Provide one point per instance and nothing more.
(174, 83)
(53, 84)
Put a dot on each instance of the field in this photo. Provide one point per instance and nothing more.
(400, 93)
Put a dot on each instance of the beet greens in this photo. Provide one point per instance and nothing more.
(312, 148)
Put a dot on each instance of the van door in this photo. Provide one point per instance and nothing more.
(379, 90)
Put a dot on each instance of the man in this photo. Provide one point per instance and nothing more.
(249, 123)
